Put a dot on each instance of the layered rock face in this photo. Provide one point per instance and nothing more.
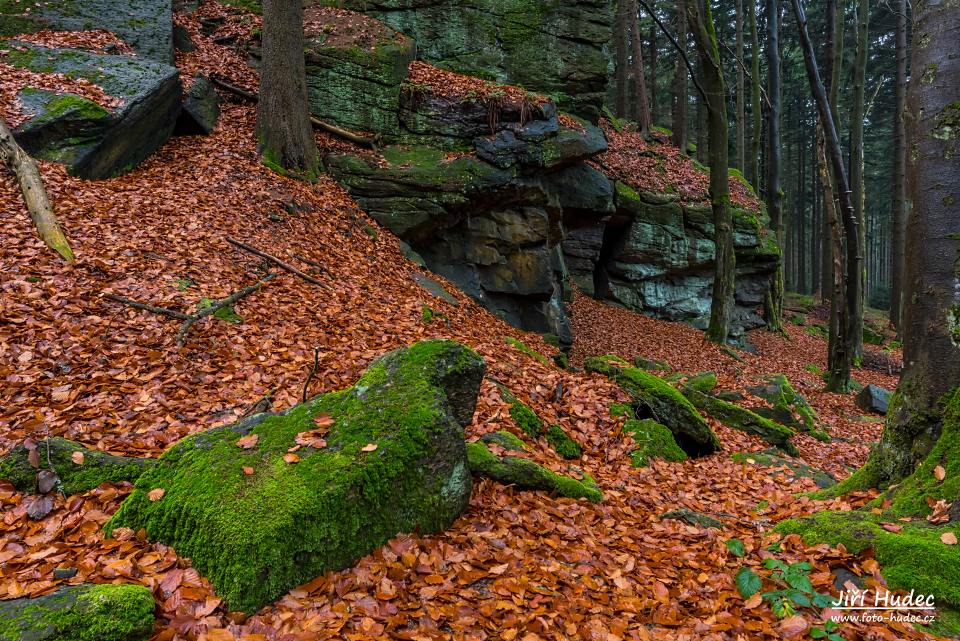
(556, 47)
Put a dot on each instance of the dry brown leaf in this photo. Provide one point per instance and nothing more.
(77, 457)
(948, 538)
(156, 493)
(754, 600)
(794, 626)
(247, 470)
(248, 441)
(369, 447)
(291, 458)
(939, 472)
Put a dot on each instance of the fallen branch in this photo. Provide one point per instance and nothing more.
(313, 372)
(276, 261)
(316, 122)
(190, 319)
(34, 195)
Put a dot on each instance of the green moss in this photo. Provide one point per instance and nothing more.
(704, 382)
(653, 441)
(426, 314)
(914, 558)
(740, 418)
(71, 104)
(621, 409)
(652, 365)
(257, 535)
(81, 613)
(527, 475)
(697, 519)
(561, 443)
(97, 467)
(506, 440)
(525, 418)
(788, 406)
(513, 342)
(772, 458)
(654, 396)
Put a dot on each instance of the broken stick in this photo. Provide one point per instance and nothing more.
(276, 261)
(190, 319)
(34, 194)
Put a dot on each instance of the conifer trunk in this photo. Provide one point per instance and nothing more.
(773, 307)
(679, 119)
(898, 234)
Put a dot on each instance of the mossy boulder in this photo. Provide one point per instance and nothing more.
(95, 467)
(704, 382)
(257, 521)
(655, 398)
(787, 406)
(506, 440)
(562, 443)
(654, 441)
(84, 612)
(531, 425)
(528, 475)
(651, 364)
(774, 458)
(93, 141)
(740, 418)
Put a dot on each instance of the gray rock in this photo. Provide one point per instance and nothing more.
(181, 40)
(873, 399)
(201, 109)
(434, 288)
(92, 141)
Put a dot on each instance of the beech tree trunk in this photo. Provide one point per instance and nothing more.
(856, 159)
(841, 358)
(35, 197)
(679, 120)
(711, 74)
(899, 205)
(283, 112)
(755, 105)
(773, 306)
(835, 15)
(641, 106)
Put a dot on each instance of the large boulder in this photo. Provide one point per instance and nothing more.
(740, 418)
(873, 398)
(557, 48)
(146, 25)
(84, 612)
(93, 141)
(270, 502)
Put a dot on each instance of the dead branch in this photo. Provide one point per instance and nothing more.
(34, 195)
(190, 319)
(276, 261)
(316, 122)
(313, 372)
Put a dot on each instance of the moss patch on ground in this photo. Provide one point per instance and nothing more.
(519, 345)
(653, 441)
(773, 458)
(528, 475)
(531, 425)
(393, 460)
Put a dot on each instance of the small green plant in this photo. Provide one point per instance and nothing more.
(227, 313)
(830, 631)
(813, 369)
(184, 284)
(736, 547)
(794, 588)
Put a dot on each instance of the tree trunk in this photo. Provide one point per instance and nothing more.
(740, 98)
(773, 307)
(711, 73)
(836, 354)
(642, 107)
(856, 157)
(283, 113)
(898, 235)
(652, 84)
(834, 63)
(34, 194)
(622, 37)
(755, 105)
(841, 360)
(679, 120)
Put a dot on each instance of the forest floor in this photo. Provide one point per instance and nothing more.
(516, 565)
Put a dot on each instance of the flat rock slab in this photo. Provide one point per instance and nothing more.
(80, 613)
(275, 500)
(873, 399)
(92, 141)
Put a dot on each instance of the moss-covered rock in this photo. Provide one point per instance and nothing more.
(506, 440)
(621, 409)
(561, 442)
(740, 418)
(393, 461)
(528, 475)
(654, 441)
(80, 613)
(704, 382)
(913, 558)
(786, 405)
(697, 519)
(773, 458)
(95, 142)
(521, 346)
(653, 397)
(531, 425)
(651, 365)
(96, 467)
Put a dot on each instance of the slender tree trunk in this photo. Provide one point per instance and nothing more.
(711, 74)
(641, 106)
(755, 105)
(622, 36)
(839, 380)
(652, 84)
(283, 113)
(773, 307)
(28, 177)
(740, 97)
(702, 121)
(838, 358)
(679, 120)
(835, 14)
(898, 235)
(856, 156)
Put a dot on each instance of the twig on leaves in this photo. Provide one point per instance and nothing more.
(276, 261)
(313, 372)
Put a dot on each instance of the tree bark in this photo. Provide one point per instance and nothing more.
(679, 119)
(835, 15)
(283, 112)
(642, 106)
(856, 158)
(652, 84)
(839, 379)
(740, 97)
(898, 235)
(773, 306)
(756, 107)
(34, 194)
(620, 33)
(711, 72)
